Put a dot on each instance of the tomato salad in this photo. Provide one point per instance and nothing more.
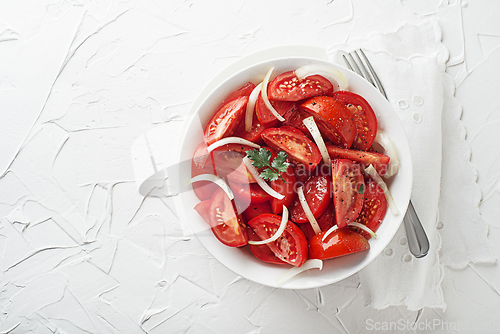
(287, 167)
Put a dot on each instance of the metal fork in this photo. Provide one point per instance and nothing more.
(417, 238)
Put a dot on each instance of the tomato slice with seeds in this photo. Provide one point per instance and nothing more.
(300, 149)
(333, 119)
(262, 252)
(317, 191)
(378, 160)
(364, 117)
(227, 226)
(340, 242)
(374, 207)
(290, 247)
(348, 182)
(265, 115)
(287, 87)
(225, 120)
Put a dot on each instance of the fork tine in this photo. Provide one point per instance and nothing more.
(353, 64)
(367, 75)
(375, 76)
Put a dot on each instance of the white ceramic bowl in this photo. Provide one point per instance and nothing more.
(241, 261)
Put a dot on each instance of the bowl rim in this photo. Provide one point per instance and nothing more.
(306, 279)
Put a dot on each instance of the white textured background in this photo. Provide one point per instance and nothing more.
(82, 252)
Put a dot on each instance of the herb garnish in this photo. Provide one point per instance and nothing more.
(260, 159)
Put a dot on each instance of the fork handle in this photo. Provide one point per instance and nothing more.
(417, 238)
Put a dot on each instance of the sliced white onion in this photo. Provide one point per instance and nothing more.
(266, 99)
(263, 184)
(292, 272)
(231, 140)
(373, 173)
(385, 141)
(364, 228)
(251, 106)
(307, 210)
(330, 231)
(215, 179)
(334, 76)
(279, 232)
(318, 139)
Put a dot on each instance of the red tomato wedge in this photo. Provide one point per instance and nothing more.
(378, 160)
(348, 185)
(286, 188)
(340, 242)
(249, 193)
(227, 226)
(364, 117)
(225, 120)
(334, 120)
(254, 134)
(287, 87)
(202, 164)
(256, 209)
(300, 149)
(290, 247)
(265, 115)
(374, 207)
(262, 252)
(294, 119)
(245, 90)
(317, 190)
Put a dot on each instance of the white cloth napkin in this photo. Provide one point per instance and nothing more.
(411, 65)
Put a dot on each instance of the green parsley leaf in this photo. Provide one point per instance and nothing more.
(260, 159)
(269, 174)
(361, 189)
(280, 162)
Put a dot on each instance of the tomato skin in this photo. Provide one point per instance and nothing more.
(300, 149)
(291, 247)
(227, 226)
(378, 160)
(262, 252)
(364, 117)
(347, 198)
(340, 242)
(245, 90)
(287, 87)
(265, 115)
(286, 188)
(333, 119)
(374, 207)
(257, 209)
(251, 193)
(202, 164)
(317, 191)
(225, 120)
